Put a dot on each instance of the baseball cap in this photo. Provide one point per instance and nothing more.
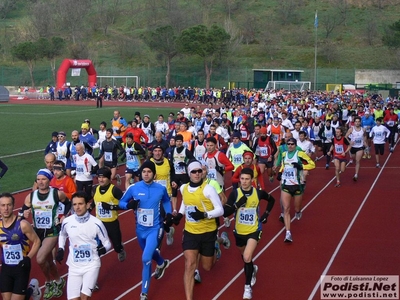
(55, 133)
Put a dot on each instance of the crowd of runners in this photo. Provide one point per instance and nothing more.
(191, 155)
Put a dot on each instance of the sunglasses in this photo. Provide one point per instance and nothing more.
(198, 171)
(60, 136)
(290, 144)
(58, 168)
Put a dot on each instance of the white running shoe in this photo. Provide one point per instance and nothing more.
(118, 178)
(248, 293)
(170, 236)
(161, 269)
(254, 275)
(288, 237)
(227, 222)
(197, 278)
(143, 296)
(34, 285)
(298, 215)
(226, 242)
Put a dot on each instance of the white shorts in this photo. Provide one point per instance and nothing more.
(81, 281)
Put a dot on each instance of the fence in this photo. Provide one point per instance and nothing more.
(180, 76)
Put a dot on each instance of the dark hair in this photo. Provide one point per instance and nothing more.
(81, 194)
(61, 163)
(8, 195)
(247, 171)
(211, 139)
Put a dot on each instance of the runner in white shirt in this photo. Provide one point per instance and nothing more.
(85, 167)
(84, 231)
(358, 143)
(379, 135)
(161, 126)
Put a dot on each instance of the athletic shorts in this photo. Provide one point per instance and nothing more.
(82, 280)
(204, 242)
(265, 161)
(340, 159)
(179, 179)
(45, 233)
(132, 172)
(14, 279)
(110, 164)
(379, 149)
(355, 150)
(293, 190)
(241, 239)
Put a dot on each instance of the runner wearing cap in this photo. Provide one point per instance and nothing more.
(63, 150)
(200, 206)
(88, 139)
(43, 204)
(52, 145)
(105, 196)
(146, 198)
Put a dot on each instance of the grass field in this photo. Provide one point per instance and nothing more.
(26, 131)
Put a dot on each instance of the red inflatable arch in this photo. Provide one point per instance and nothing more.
(76, 64)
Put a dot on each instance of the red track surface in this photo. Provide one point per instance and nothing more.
(351, 230)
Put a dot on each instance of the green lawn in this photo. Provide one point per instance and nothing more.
(28, 128)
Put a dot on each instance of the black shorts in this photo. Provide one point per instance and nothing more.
(14, 279)
(265, 161)
(293, 190)
(241, 240)
(179, 179)
(355, 150)
(341, 159)
(379, 149)
(110, 164)
(204, 242)
(45, 233)
(134, 173)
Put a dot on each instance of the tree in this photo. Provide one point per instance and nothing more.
(391, 38)
(210, 44)
(29, 53)
(163, 41)
(6, 6)
(50, 49)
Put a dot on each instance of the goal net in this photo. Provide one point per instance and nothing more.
(335, 88)
(118, 81)
(289, 85)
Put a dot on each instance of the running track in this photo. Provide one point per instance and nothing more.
(351, 230)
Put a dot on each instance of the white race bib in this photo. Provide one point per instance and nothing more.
(189, 209)
(289, 173)
(43, 219)
(145, 217)
(247, 216)
(237, 159)
(103, 213)
(12, 254)
(82, 253)
(108, 156)
(339, 149)
(212, 174)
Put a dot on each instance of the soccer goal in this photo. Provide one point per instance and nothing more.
(118, 80)
(335, 88)
(288, 85)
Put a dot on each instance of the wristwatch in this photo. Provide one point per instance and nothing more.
(205, 215)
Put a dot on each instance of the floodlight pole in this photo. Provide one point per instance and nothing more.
(315, 50)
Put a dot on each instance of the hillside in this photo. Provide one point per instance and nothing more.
(264, 34)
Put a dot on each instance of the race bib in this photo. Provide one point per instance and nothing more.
(108, 156)
(263, 151)
(82, 253)
(162, 182)
(328, 136)
(189, 209)
(244, 134)
(212, 174)
(358, 142)
(275, 138)
(247, 216)
(179, 169)
(145, 217)
(378, 134)
(103, 213)
(390, 123)
(339, 149)
(12, 254)
(237, 159)
(43, 219)
(289, 173)
(80, 169)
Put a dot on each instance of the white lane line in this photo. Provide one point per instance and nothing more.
(270, 242)
(317, 285)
